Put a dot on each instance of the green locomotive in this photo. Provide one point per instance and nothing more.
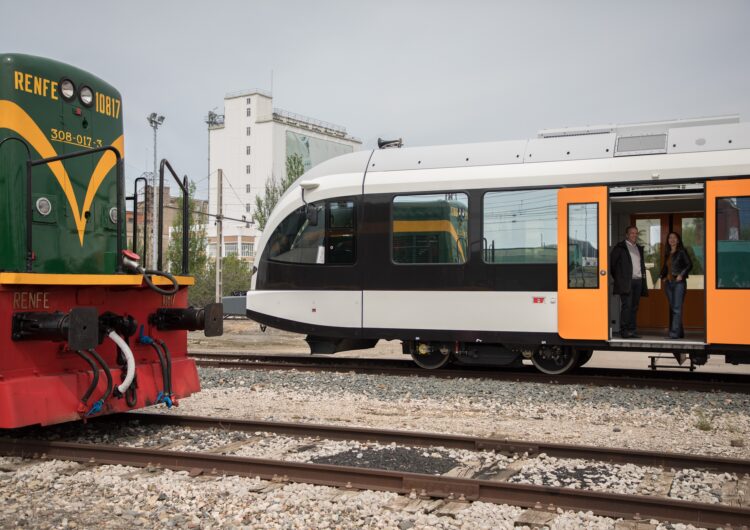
(84, 329)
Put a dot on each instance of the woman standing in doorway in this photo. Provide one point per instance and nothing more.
(674, 273)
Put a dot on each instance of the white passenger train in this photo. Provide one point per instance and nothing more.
(495, 252)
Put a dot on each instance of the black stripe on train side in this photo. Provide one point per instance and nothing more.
(375, 270)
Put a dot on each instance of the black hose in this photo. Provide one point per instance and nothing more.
(148, 273)
(130, 396)
(107, 374)
(94, 381)
(164, 368)
(168, 356)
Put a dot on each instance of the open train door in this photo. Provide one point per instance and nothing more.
(583, 309)
(727, 261)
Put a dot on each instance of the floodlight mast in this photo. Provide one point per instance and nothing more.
(154, 120)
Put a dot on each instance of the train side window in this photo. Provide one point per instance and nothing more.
(583, 246)
(520, 227)
(340, 232)
(430, 228)
(732, 242)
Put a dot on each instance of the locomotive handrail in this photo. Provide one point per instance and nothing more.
(185, 213)
(29, 217)
(120, 196)
(134, 198)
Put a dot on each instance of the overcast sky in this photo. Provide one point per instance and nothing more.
(432, 72)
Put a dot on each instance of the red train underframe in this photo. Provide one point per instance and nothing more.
(42, 382)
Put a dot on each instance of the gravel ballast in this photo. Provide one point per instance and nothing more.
(68, 495)
(649, 419)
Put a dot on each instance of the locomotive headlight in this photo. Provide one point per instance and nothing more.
(86, 95)
(43, 206)
(67, 89)
(113, 215)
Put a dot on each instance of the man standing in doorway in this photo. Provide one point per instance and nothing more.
(629, 274)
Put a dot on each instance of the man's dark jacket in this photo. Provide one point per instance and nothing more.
(621, 269)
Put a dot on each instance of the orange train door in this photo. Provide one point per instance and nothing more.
(582, 282)
(727, 261)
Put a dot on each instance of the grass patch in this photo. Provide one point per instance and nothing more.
(703, 423)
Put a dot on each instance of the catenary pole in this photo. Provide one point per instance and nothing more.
(219, 213)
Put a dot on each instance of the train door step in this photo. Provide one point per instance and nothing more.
(657, 344)
(678, 358)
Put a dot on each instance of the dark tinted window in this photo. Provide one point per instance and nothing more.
(331, 240)
(340, 232)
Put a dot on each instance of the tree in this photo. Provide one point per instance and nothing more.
(235, 277)
(264, 205)
(274, 190)
(197, 259)
(295, 167)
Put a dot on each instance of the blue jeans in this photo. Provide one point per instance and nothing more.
(676, 295)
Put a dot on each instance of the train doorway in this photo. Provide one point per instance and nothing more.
(655, 212)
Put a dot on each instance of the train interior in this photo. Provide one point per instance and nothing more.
(656, 212)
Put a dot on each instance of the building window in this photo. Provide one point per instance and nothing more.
(230, 249)
(247, 188)
(430, 228)
(248, 131)
(247, 249)
(520, 227)
(732, 242)
(248, 111)
(247, 169)
(247, 150)
(248, 100)
(211, 250)
(248, 207)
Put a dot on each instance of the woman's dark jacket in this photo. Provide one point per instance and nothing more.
(681, 264)
(621, 269)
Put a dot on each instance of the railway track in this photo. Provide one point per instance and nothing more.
(627, 378)
(421, 487)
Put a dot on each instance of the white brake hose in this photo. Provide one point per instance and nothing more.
(130, 374)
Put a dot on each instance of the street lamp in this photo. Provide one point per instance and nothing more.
(154, 120)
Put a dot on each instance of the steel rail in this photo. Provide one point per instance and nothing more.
(730, 383)
(442, 487)
(454, 441)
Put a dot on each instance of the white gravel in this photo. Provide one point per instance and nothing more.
(649, 419)
(55, 494)
(65, 495)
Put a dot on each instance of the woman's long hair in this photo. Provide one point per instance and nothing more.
(668, 247)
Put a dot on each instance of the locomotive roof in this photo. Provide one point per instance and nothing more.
(552, 145)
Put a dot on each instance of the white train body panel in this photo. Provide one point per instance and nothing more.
(472, 311)
(327, 308)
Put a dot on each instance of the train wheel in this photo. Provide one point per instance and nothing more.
(431, 357)
(555, 360)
